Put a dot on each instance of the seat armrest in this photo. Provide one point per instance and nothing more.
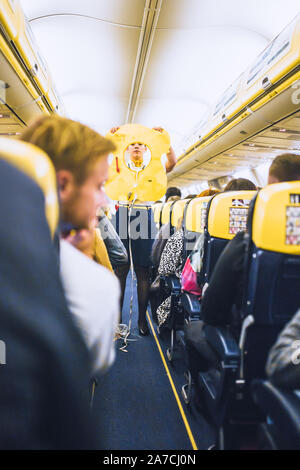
(223, 342)
(283, 409)
(190, 304)
(155, 285)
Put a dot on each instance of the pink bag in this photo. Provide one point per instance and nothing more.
(189, 279)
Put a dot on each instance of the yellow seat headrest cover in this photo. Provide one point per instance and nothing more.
(156, 211)
(276, 218)
(196, 214)
(36, 164)
(178, 212)
(228, 213)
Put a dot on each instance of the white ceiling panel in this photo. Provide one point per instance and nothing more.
(199, 48)
(126, 12)
(98, 60)
(265, 17)
(176, 115)
(98, 111)
(199, 64)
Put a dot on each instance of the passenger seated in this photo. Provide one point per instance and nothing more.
(283, 365)
(240, 184)
(171, 263)
(115, 249)
(172, 192)
(222, 298)
(79, 155)
(44, 382)
(161, 238)
(195, 260)
(165, 231)
(285, 167)
(208, 192)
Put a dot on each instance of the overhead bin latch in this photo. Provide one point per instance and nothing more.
(224, 118)
(266, 83)
(34, 70)
(3, 87)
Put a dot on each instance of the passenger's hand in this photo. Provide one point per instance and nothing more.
(114, 129)
(159, 129)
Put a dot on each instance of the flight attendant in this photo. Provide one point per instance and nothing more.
(141, 248)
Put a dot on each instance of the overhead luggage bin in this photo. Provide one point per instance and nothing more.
(259, 103)
(278, 60)
(229, 104)
(199, 133)
(54, 100)
(19, 98)
(20, 39)
(19, 33)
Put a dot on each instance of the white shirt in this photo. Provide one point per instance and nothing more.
(92, 294)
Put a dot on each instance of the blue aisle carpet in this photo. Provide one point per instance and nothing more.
(134, 402)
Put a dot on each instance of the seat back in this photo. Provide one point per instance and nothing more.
(177, 212)
(272, 294)
(165, 213)
(282, 407)
(170, 213)
(157, 208)
(194, 221)
(226, 216)
(34, 317)
(219, 218)
(36, 164)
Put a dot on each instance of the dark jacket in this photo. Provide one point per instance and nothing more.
(225, 286)
(44, 383)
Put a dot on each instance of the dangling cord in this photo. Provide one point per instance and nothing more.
(127, 333)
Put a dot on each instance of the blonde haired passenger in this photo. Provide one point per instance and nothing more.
(209, 192)
(80, 158)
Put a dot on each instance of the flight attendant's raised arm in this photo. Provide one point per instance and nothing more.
(171, 160)
(171, 157)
